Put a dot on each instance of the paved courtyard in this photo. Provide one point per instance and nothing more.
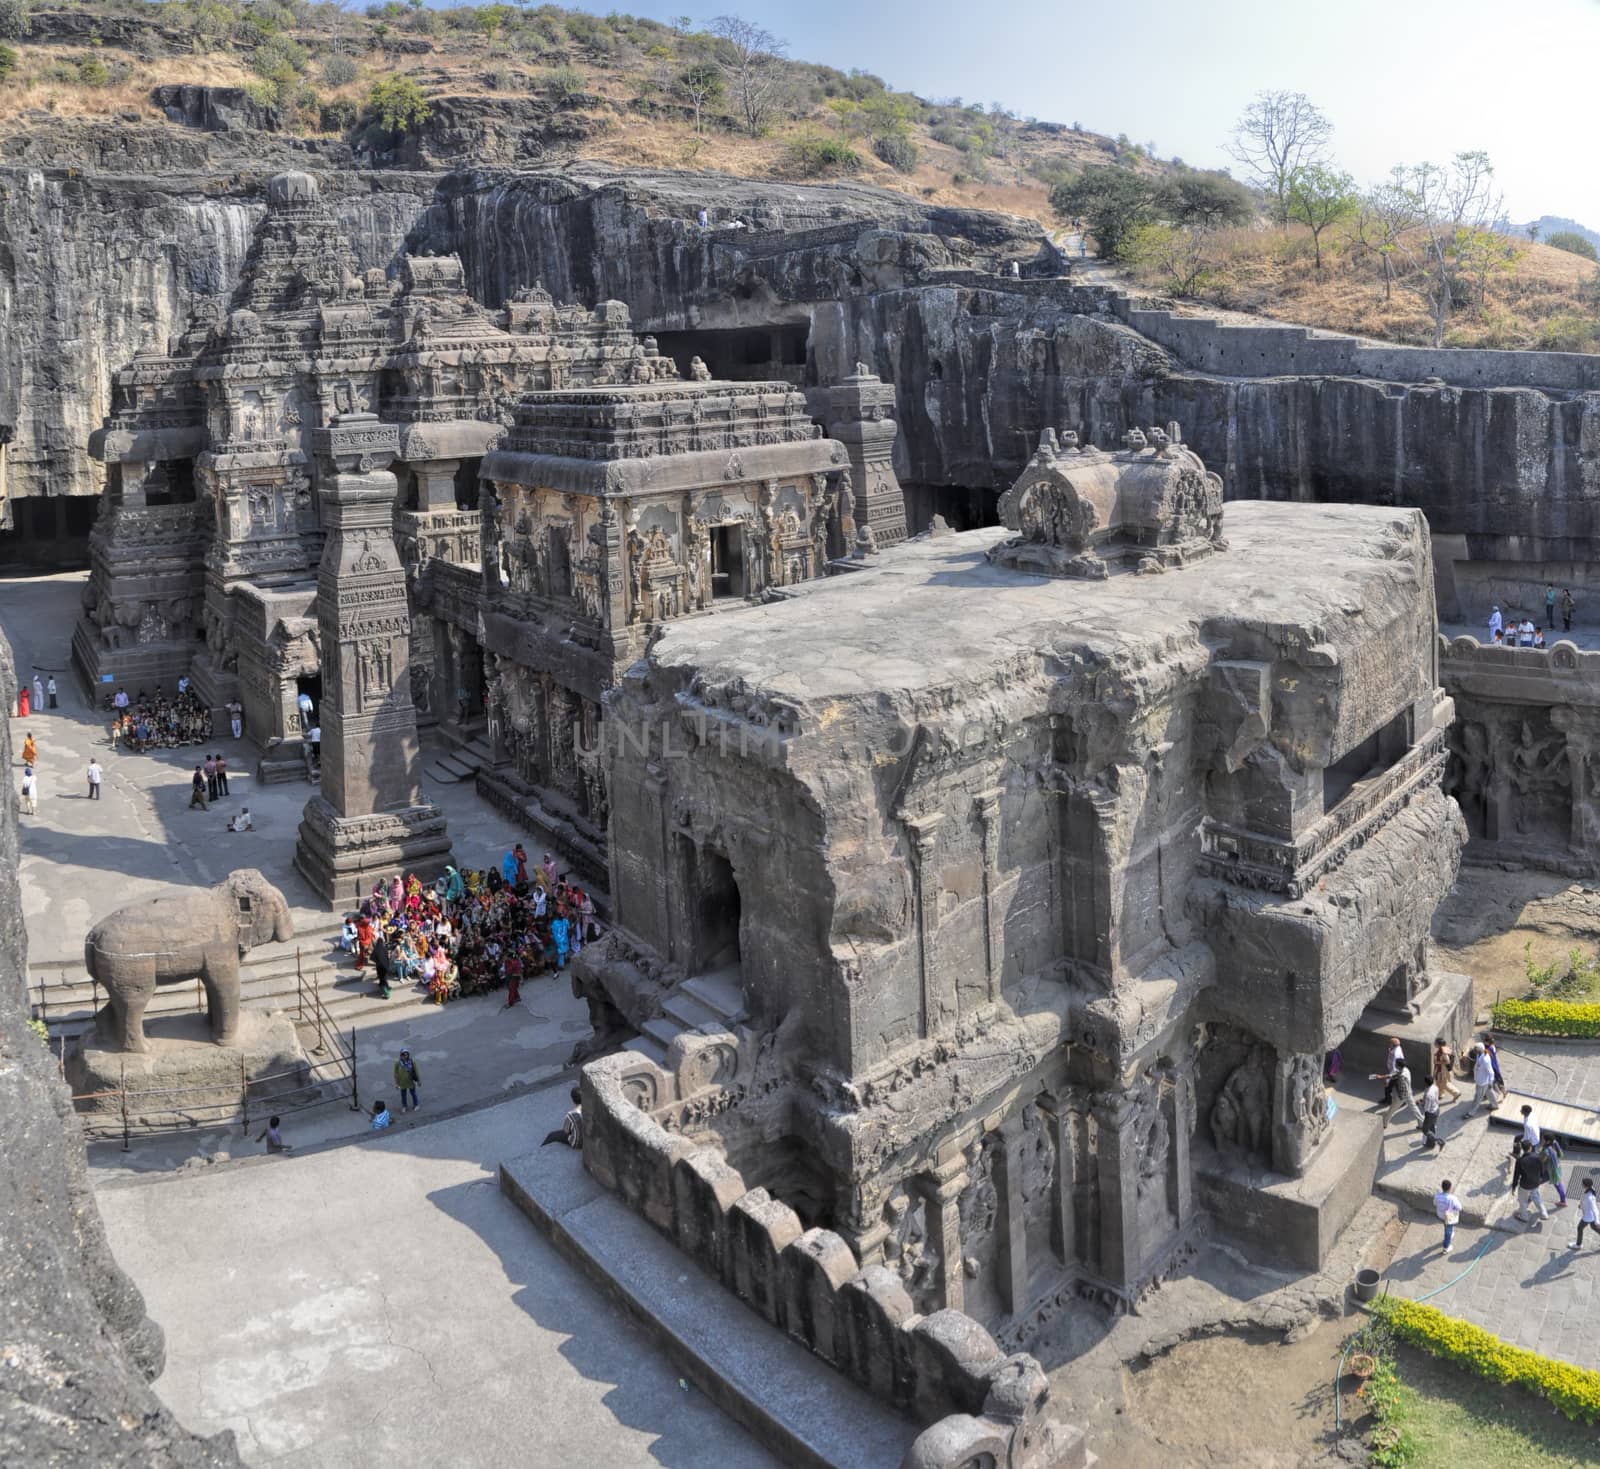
(381, 1304)
(1525, 1285)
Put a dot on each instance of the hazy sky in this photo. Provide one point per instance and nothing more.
(1402, 80)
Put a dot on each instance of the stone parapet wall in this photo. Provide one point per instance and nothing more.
(943, 1369)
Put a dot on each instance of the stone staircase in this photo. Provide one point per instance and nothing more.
(462, 763)
(706, 1001)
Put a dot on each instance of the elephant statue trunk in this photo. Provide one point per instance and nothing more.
(171, 940)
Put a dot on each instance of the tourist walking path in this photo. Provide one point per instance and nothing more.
(383, 1303)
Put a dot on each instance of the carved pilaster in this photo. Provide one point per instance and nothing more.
(1012, 1224)
(942, 1187)
(988, 808)
(924, 837)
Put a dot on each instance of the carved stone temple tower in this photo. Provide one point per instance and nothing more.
(859, 413)
(369, 818)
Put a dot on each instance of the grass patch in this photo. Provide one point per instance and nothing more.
(1452, 1418)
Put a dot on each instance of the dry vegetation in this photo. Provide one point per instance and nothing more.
(1543, 297)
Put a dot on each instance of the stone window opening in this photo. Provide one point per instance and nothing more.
(1368, 760)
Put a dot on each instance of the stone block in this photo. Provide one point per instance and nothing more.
(760, 1228)
(816, 1267)
(704, 1189)
(1293, 1223)
(873, 1308)
(953, 1358)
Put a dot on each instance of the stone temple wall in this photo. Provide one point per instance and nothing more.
(79, 1348)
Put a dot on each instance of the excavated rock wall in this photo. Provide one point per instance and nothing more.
(79, 1348)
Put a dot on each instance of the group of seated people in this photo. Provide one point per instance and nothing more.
(1520, 635)
(159, 721)
(470, 932)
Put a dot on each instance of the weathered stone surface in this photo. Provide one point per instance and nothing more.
(79, 1347)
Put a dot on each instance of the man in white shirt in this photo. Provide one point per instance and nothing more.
(1530, 1128)
(183, 684)
(1430, 1117)
(304, 703)
(1448, 1207)
(1396, 1059)
(1402, 1095)
(94, 773)
(1588, 1213)
(30, 792)
(1482, 1080)
(1496, 622)
(121, 700)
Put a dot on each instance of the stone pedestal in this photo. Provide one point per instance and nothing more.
(859, 413)
(369, 819)
(1445, 1009)
(185, 1078)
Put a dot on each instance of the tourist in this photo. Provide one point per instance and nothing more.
(1493, 1053)
(704, 219)
(1550, 606)
(540, 900)
(1444, 1065)
(548, 868)
(1403, 1097)
(243, 821)
(1538, 638)
(50, 690)
(38, 694)
(1395, 1060)
(559, 936)
(30, 792)
(197, 792)
(1482, 1080)
(513, 974)
(382, 965)
(1430, 1117)
(1530, 1128)
(407, 1078)
(1527, 1174)
(347, 934)
(1551, 1151)
(508, 868)
(183, 684)
(210, 768)
(522, 863)
(1526, 632)
(314, 741)
(1588, 1213)
(304, 705)
(236, 718)
(30, 751)
(1448, 1207)
(119, 701)
(1568, 606)
(272, 1137)
(94, 772)
(571, 1130)
(380, 1116)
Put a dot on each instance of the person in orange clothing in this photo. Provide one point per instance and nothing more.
(30, 751)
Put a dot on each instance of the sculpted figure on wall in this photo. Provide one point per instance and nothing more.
(1242, 1110)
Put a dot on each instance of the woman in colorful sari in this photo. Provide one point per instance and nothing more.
(559, 934)
(454, 888)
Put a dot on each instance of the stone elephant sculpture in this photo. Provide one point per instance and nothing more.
(192, 935)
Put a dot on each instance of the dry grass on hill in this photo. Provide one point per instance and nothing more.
(1547, 298)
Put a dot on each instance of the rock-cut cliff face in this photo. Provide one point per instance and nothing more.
(78, 1349)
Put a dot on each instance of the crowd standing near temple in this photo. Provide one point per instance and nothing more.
(471, 932)
(1524, 632)
(159, 722)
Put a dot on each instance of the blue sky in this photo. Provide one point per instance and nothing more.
(1403, 80)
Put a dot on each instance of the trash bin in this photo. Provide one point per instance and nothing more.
(1366, 1284)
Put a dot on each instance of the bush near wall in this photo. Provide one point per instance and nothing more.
(1575, 1391)
(1547, 1017)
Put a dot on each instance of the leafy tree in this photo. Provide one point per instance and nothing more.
(701, 86)
(398, 104)
(1113, 200)
(1210, 200)
(14, 19)
(1320, 197)
(1279, 134)
(1184, 254)
(1454, 204)
(1574, 244)
(750, 58)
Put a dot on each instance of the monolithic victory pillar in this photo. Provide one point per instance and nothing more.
(369, 819)
(859, 413)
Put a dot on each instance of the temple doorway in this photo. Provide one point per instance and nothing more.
(727, 560)
(716, 911)
(310, 686)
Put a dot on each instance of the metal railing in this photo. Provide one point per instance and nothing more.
(316, 1083)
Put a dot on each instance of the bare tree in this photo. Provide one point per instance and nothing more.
(1280, 134)
(1387, 213)
(750, 58)
(1458, 206)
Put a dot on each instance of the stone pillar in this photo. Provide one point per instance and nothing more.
(1181, 1181)
(859, 413)
(436, 484)
(1012, 1225)
(924, 836)
(988, 806)
(1064, 1196)
(942, 1187)
(369, 818)
(1117, 1166)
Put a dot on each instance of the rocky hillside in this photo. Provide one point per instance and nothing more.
(506, 88)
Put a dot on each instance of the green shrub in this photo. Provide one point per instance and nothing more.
(811, 156)
(1574, 244)
(277, 55)
(337, 117)
(1574, 1391)
(1567, 331)
(14, 19)
(1547, 1017)
(898, 150)
(338, 71)
(397, 104)
(564, 83)
(8, 61)
(92, 72)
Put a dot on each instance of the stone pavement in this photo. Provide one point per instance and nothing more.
(383, 1304)
(1524, 1284)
